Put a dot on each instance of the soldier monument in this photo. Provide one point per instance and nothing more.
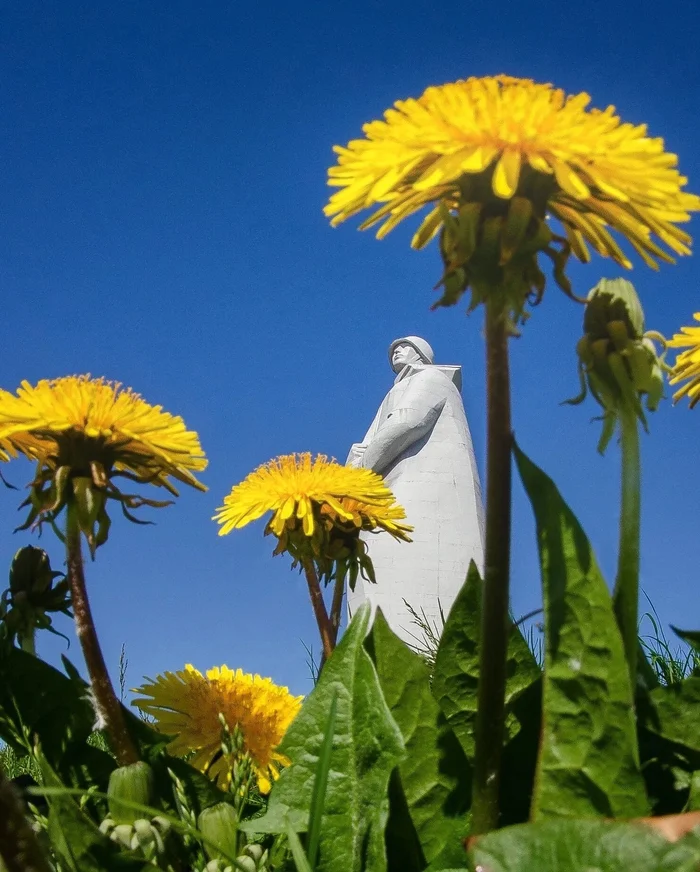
(420, 442)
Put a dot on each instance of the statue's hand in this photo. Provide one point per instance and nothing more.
(357, 451)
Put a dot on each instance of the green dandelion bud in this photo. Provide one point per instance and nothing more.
(134, 783)
(618, 361)
(219, 823)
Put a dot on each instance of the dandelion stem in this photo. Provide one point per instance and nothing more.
(19, 849)
(336, 607)
(626, 594)
(495, 621)
(325, 627)
(105, 699)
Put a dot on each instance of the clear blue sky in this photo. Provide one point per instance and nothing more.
(164, 172)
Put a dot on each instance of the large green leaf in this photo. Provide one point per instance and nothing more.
(456, 676)
(435, 776)
(588, 762)
(367, 745)
(582, 846)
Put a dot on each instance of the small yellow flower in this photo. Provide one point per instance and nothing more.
(187, 705)
(687, 366)
(495, 157)
(86, 432)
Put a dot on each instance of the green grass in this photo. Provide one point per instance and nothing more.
(672, 661)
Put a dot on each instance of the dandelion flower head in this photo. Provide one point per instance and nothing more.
(187, 705)
(687, 365)
(499, 137)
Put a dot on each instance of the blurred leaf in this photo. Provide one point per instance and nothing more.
(582, 846)
(434, 779)
(588, 762)
(456, 676)
(691, 637)
(694, 792)
(367, 745)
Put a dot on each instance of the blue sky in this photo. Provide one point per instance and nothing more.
(164, 176)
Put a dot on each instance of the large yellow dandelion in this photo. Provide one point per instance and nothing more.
(187, 706)
(687, 366)
(106, 420)
(600, 172)
(86, 434)
(495, 157)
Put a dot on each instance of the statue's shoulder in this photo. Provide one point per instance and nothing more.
(435, 374)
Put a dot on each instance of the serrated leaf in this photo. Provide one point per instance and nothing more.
(456, 675)
(588, 763)
(434, 779)
(367, 745)
(582, 846)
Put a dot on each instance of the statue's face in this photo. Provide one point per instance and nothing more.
(402, 356)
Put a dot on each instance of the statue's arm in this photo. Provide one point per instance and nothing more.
(408, 423)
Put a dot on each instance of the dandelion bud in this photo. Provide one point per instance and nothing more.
(133, 783)
(219, 823)
(618, 361)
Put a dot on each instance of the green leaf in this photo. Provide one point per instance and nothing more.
(694, 792)
(582, 846)
(367, 745)
(588, 762)
(456, 676)
(674, 713)
(434, 779)
(60, 717)
(691, 637)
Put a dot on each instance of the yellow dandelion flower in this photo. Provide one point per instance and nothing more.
(141, 438)
(510, 151)
(300, 492)
(86, 432)
(187, 705)
(687, 366)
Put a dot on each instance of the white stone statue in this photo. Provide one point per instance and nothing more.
(420, 442)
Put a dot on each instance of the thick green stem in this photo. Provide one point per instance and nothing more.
(19, 849)
(106, 703)
(324, 623)
(626, 596)
(495, 623)
(337, 607)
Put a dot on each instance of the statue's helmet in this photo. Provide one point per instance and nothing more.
(419, 345)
